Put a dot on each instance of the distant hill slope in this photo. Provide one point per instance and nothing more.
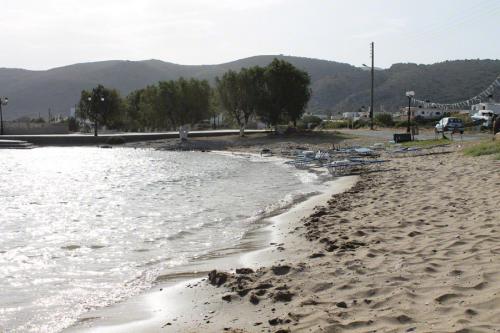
(336, 86)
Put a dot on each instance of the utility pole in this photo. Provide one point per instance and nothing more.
(373, 81)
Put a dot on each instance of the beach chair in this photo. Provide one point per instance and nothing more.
(405, 152)
(362, 151)
(342, 167)
(347, 166)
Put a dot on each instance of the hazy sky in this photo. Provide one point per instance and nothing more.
(37, 34)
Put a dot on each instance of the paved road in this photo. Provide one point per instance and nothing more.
(387, 134)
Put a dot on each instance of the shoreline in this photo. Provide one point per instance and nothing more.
(181, 288)
(397, 252)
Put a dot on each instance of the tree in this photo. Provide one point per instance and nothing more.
(252, 86)
(214, 107)
(230, 96)
(287, 92)
(195, 101)
(102, 106)
(169, 101)
(169, 104)
(148, 108)
(241, 94)
(133, 111)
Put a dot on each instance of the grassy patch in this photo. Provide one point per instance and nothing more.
(426, 143)
(332, 133)
(484, 148)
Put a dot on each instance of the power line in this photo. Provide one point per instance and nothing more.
(485, 8)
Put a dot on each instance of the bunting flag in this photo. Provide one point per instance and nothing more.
(471, 101)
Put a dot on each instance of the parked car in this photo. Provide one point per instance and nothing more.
(483, 118)
(450, 124)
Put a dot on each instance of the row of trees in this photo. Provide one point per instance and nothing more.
(169, 104)
(278, 92)
(166, 105)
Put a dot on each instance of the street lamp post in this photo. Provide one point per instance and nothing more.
(95, 113)
(3, 101)
(410, 95)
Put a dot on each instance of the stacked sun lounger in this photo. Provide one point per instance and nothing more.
(342, 167)
(348, 166)
(338, 161)
(304, 159)
(420, 151)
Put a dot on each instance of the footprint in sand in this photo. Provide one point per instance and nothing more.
(445, 298)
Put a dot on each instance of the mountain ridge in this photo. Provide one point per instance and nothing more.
(336, 86)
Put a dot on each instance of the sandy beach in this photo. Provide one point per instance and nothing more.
(412, 247)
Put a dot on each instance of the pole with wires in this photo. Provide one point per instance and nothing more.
(373, 81)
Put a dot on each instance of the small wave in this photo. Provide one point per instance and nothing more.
(305, 176)
(141, 250)
(179, 235)
(70, 247)
(285, 203)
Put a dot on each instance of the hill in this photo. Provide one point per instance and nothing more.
(336, 86)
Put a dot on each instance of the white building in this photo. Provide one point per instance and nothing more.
(350, 115)
(355, 115)
(425, 113)
(492, 106)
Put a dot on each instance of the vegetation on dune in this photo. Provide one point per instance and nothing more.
(484, 148)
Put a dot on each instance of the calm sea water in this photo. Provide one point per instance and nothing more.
(82, 228)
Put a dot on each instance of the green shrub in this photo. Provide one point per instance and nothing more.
(384, 119)
(403, 123)
(484, 148)
(73, 125)
(360, 123)
(309, 122)
(335, 124)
